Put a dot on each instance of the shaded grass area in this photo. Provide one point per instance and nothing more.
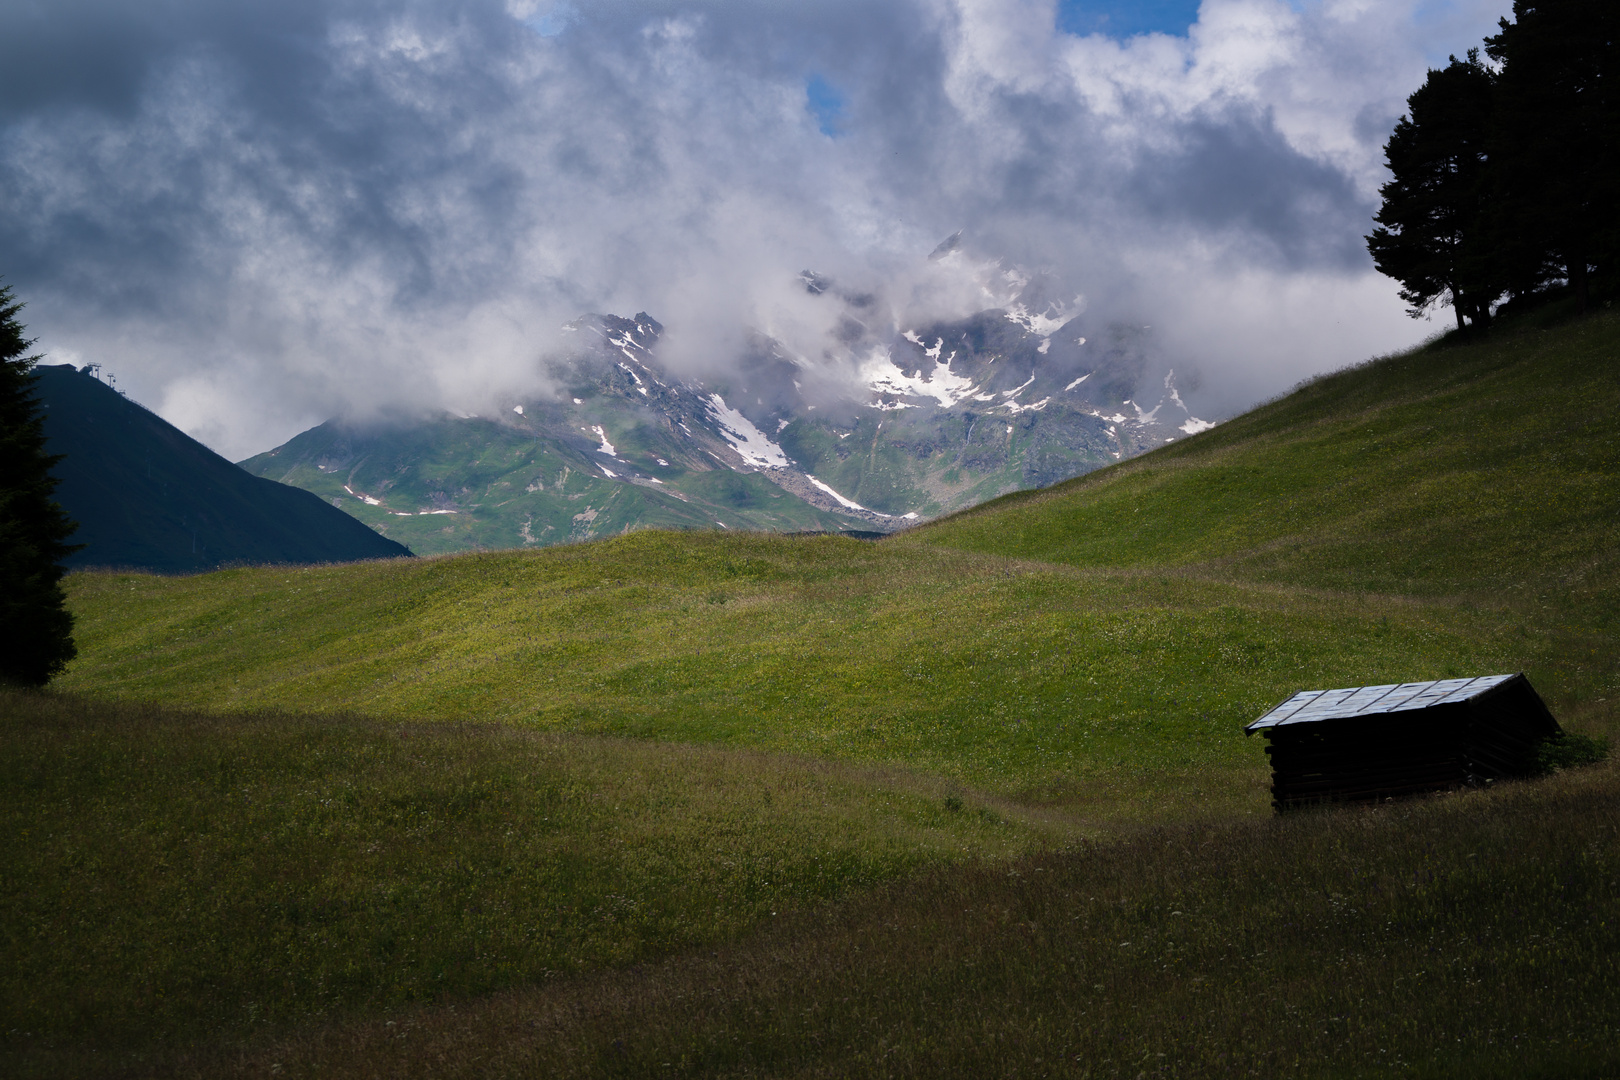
(1471, 935)
(170, 874)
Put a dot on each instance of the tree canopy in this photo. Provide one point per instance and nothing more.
(1557, 130)
(36, 628)
(1506, 180)
(1433, 237)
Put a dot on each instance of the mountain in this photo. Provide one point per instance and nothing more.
(883, 431)
(147, 495)
(947, 415)
(598, 461)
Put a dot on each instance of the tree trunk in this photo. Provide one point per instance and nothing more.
(1576, 269)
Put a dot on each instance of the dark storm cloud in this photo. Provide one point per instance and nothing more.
(1238, 175)
(266, 212)
(164, 123)
(103, 54)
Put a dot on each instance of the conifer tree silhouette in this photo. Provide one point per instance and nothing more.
(1432, 236)
(36, 628)
(1507, 179)
(1556, 150)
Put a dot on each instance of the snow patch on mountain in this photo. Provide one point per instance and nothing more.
(627, 370)
(751, 444)
(1192, 425)
(606, 447)
(841, 500)
(1019, 390)
(1041, 324)
(1145, 416)
(1014, 407)
(1170, 388)
(881, 374)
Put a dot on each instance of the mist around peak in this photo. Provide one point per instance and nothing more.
(864, 422)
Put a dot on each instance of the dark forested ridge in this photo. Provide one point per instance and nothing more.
(1506, 170)
(148, 495)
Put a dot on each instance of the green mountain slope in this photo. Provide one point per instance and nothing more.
(469, 483)
(1488, 470)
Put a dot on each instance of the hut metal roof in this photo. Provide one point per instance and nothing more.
(1309, 706)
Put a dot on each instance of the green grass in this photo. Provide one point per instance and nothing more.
(1484, 473)
(1013, 683)
(1444, 512)
(1470, 935)
(1090, 687)
(171, 874)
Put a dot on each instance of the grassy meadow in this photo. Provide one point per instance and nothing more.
(178, 872)
(973, 800)
(1469, 936)
(1086, 687)
(1482, 473)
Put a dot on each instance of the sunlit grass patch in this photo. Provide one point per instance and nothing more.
(1474, 471)
(1019, 677)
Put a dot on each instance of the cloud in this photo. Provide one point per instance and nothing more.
(267, 213)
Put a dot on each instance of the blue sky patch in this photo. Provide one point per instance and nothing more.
(553, 22)
(1126, 18)
(826, 104)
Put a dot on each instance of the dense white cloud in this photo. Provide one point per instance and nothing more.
(261, 214)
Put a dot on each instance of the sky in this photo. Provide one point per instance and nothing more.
(261, 214)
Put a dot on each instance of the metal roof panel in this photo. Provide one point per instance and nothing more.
(1310, 706)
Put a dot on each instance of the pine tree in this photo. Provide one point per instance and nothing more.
(36, 628)
(1433, 236)
(1557, 141)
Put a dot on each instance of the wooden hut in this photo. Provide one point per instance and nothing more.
(1365, 743)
